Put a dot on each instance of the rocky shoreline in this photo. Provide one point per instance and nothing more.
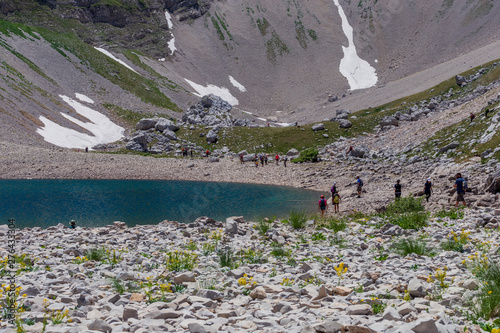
(238, 276)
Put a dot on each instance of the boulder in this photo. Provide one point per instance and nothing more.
(389, 121)
(211, 137)
(293, 152)
(460, 80)
(448, 147)
(146, 123)
(138, 143)
(164, 124)
(343, 123)
(169, 134)
(231, 226)
(206, 101)
(333, 98)
(318, 127)
(493, 182)
(100, 325)
(360, 152)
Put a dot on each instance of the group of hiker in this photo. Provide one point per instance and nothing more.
(263, 159)
(460, 186)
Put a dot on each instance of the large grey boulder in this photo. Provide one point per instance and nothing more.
(138, 143)
(344, 123)
(449, 147)
(164, 124)
(360, 152)
(211, 137)
(100, 325)
(389, 121)
(146, 123)
(493, 182)
(460, 80)
(318, 127)
(170, 134)
(417, 288)
(292, 152)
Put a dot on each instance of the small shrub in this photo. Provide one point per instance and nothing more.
(96, 254)
(117, 286)
(177, 261)
(453, 213)
(405, 205)
(263, 226)
(297, 220)
(336, 224)
(414, 220)
(226, 258)
(407, 246)
(339, 241)
(318, 236)
(278, 251)
(487, 303)
(307, 155)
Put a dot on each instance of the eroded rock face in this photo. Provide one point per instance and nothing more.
(188, 9)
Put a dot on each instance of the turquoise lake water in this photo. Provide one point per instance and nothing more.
(94, 203)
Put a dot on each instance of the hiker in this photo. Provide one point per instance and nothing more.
(86, 149)
(349, 150)
(256, 162)
(277, 159)
(284, 161)
(265, 159)
(461, 187)
(333, 189)
(397, 189)
(261, 160)
(359, 182)
(486, 112)
(336, 201)
(191, 151)
(207, 152)
(472, 116)
(323, 205)
(241, 158)
(427, 189)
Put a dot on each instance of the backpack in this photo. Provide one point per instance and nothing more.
(333, 189)
(336, 198)
(360, 182)
(465, 185)
(322, 202)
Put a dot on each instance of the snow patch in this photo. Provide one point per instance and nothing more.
(84, 98)
(171, 42)
(237, 84)
(102, 128)
(222, 92)
(263, 119)
(114, 58)
(489, 133)
(358, 72)
(246, 112)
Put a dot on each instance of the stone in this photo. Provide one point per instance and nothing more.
(163, 314)
(389, 121)
(169, 134)
(100, 325)
(328, 326)
(471, 284)
(184, 277)
(355, 329)
(318, 127)
(405, 308)
(492, 183)
(424, 325)
(138, 143)
(390, 313)
(342, 291)
(292, 152)
(125, 276)
(137, 298)
(359, 309)
(210, 294)
(164, 124)
(343, 123)
(129, 312)
(196, 328)
(236, 273)
(211, 137)
(460, 80)
(416, 288)
(231, 226)
(448, 147)
(333, 98)
(146, 123)
(258, 293)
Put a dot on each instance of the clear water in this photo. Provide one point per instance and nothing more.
(94, 203)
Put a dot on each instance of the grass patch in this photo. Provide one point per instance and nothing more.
(406, 246)
(405, 205)
(415, 220)
(486, 304)
(226, 258)
(263, 226)
(307, 155)
(96, 254)
(453, 213)
(129, 116)
(278, 251)
(297, 220)
(333, 223)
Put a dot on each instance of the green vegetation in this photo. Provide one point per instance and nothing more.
(275, 46)
(312, 34)
(405, 205)
(263, 25)
(297, 220)
(333, 223)
(486, 304)
(406, 246)
(263, 226)
(226, 258)
(129, 116)
(300, 34)
(452, 213)
(307, 155)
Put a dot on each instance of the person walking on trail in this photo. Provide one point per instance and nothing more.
(486, 112)
(207, 152)
(322, 204)
(277, 159)
(333, 189)
(397, 189)
(284, 161)
(427, 189)
(265, 159)
(256, 162)
(461, 187)
(261, 160)
(241, 158)
(359, 183)
(336, 201)
(472, 116)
